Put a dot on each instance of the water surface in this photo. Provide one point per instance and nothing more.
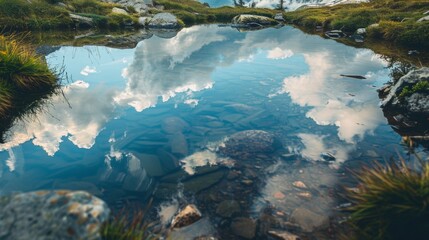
(129, 116)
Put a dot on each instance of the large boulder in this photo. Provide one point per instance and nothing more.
(253, 20)
(249, 142)
(164, 20)
(406, 103)
(52, 215)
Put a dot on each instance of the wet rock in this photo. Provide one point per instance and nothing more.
(194, 184)
(299, 184)
(186, 217)
(406, 105)
(168, 160)
(164, 20)
(172, 125)
(308, 220)
(119, 11)
(228, 208)
(244, 227)
(249, 142)
(178, 144)
(52, 215)
(202, 229)
(279, 195)
(78, 186)
(247, 19)
(283, 235)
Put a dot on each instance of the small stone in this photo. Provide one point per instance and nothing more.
(228, 208)
(283, 235)
(119, 11)
(186, 217)
(304, 194)
(279, 195)
(308, 220)
(247, 182)
(244, 227)
(299, 184)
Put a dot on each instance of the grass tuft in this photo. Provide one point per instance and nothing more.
(126, 226)
(392, 202)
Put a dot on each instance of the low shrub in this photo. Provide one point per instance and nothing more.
(392, 202)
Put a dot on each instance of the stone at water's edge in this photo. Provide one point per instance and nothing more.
(164, 20)
(52, 215)
(245, 19)
(249, 142)
(186, 217)
(408, 113)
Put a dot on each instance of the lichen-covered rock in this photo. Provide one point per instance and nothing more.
(186, 217)
(164, 20)
(249, 142)
(247, 19)
(52, 215)
(406, 103)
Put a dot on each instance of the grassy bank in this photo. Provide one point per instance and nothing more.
(396, 20)
(48, 14)
(24, 79)
(193, 12)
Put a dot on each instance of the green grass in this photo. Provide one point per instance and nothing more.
(193, 12)
(392, 202)
(397, 20)
(25, 80)
(126, 226)
(420, 87)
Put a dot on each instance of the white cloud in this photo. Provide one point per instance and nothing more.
(87, 70)
(278, 53)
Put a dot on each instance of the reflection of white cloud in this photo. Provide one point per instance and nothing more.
(203, 158)
(11, 161)
(73, 117)
(175, 67)
(315, 146)
(87, 70)
(346, 103)
(278, 53)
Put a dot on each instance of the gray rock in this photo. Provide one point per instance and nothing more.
(82, 21)
(244, 227)
(186, 217)
(173, 125)
(283, 235)
(308, 220)
(52, 215)
(144, 21)
(228, 208)
(412, 103)
(164, 20)
(119, 11)
(247, 19)
(140, 6)
(249, 142)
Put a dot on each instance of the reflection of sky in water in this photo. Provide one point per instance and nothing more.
(214, 79)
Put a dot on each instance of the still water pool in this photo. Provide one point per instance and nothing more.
(133, 124)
